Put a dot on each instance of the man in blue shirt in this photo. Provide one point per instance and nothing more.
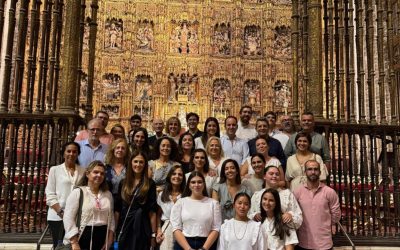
(91, 148)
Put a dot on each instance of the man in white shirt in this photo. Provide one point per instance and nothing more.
(287, 127)
(233, 146)
(245, 130)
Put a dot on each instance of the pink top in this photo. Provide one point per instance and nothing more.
(106, 138)
(320, 211)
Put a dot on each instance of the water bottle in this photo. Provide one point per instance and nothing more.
(115, 245)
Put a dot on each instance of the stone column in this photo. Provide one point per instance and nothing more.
(315, 80)
(70, 54)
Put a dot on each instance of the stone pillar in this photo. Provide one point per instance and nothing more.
(70, 54)
(315, 80)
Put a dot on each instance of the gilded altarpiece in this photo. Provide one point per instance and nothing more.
(163, 58)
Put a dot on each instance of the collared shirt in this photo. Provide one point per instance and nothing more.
(89, 154)
(320, 209)
(105, 138)
(236, 149)
(246, 132)
(319, 145)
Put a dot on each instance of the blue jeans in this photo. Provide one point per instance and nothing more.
(195, 243)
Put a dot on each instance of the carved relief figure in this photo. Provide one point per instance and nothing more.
(282, 47)
(113, 34)
(145, 36)
(143, 84)
(84, 85)
(182, 85)
(252, 41)
(282, 94)
(221, 40)
(86, 34)
(252, 92)
(184, 37)
(111, 85)
(221, 91)
(112, 110)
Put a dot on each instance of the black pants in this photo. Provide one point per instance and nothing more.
(57, 231)
(195, 243)
(98, 239)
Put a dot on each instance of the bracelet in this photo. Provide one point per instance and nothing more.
(153, 235)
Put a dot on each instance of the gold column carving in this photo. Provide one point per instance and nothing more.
(70, 54)
(314, 65)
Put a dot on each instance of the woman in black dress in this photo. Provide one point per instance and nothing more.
(137, 206)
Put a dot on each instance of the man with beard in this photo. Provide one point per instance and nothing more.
(287, 128)
(245, 130)
(91, 148)
(192, 120)
(319, 145)
(321, 210)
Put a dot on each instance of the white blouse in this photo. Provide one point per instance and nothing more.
(196, 218)
(198, 143)
(166, 207)
(273, 241)
(216, 168)
(60, 183)
(92, 214)
(288, 203)
(243, 235)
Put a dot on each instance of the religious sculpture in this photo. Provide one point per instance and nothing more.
(252, 41)
(282, 94)
(184, 37)
(143, 87)
(111, 83)
(145, 36)
(282, 46)
(252, 92)
(221, 40)
(113, 34)
(222, 91)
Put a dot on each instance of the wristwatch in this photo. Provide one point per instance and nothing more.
(153, 235)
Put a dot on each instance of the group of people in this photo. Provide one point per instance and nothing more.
(252, 187)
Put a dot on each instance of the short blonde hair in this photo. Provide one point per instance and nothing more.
(219, 142)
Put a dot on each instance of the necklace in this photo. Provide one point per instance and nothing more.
(234, 230)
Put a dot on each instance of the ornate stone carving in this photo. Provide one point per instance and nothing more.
(113, 34)
(252, 41)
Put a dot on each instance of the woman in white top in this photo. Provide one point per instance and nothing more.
(199, 162)
(97, 223)
(211, 128)
(215, 154)
(295, 173)
(61, 181)
(196, 219)
(262, 148)
(240, 232)
(290, 208)
(279, 235)
(174, 186)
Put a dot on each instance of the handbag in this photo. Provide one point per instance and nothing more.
(78, 223)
